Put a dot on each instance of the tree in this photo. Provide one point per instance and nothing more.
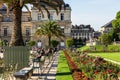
(16, 7)
(116, 27)
(2, 43)
(69, 42)
(31, 43)
(105, 39)
(54, 43)
(119, 35)
(49, 30)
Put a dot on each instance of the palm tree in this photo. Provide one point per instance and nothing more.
(16, 7)
(49, 30)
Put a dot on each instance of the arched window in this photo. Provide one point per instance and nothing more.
(27, 31)
(62, 16)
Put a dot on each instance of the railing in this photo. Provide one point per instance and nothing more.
(16, 55)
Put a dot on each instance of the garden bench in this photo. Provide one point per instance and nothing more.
(24, 73)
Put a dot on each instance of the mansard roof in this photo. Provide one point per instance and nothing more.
(108, 25)
(67, 6)
(3, 8)
(82, 26)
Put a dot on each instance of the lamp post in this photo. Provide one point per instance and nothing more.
(90, 39)
(62, 44)
(39, 44)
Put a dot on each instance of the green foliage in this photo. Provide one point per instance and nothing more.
(113, 48)
(1, 62)
(116, 27)
(106, 39)
(2, 43)
(50, 29)
(63, 72)
(99, 47)
(119, 35)
(116, 23)
(31, 43)
(54, 43)
(91, 67)
(69, 43)
(110, 48)
(114, 35)
(84, 48)
(118, 15)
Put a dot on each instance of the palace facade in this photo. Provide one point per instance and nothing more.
(82, 31)
(31, 24)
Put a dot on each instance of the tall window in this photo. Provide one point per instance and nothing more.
(29, 19)
(50, 17)
(39, 17)
(7, 19)
(62, 28)
(27, 31)
(5, 31)
(62, 16)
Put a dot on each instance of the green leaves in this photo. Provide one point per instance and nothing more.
(39, 4)
(69, 42)
(50, 29)
(106, 39)
(116, 27)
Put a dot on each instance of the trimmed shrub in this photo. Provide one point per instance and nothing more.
(31, 43)
(69, 42)
(54, 43)
(84, 48)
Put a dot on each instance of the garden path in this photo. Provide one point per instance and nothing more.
(112, 61)
(49, 72)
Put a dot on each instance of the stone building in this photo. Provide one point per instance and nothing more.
(82, 31)
(106, 28)
(30, 25)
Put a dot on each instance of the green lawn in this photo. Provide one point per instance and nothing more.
(63, 72)
(113, 56)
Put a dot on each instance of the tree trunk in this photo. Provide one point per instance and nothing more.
(49, 41)
(16, 38)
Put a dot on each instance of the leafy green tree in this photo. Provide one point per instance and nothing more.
(16, 7)
(31, 43)
(49, 30)
(54, 43)
(2, 43)
(69, 42)
(106, 39)
(119, 35)
(116, 27)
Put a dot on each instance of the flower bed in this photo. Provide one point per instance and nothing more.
(85, 67)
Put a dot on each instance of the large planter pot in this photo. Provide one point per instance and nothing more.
(17, 56)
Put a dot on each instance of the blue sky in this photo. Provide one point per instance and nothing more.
(93, 12)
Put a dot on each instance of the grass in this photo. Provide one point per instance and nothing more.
(63, 71)
(84, 48)
(115, 56)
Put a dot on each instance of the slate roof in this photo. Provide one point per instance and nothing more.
(108, 25)
(66, 5)
(3, 8)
